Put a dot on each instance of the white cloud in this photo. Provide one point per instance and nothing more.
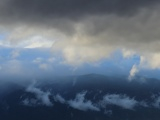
(19, 39)
(41, 96)
(81, 104)
(127, 53)
(150, 61)
(119, 100)
(133, 72)
(59, 98)
(147, 61)
(76, 53)
(37, 42)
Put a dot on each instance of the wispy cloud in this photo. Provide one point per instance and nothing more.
(119, 100)
(41, 96)
(81, 103)
(59, 98)
(134, 70)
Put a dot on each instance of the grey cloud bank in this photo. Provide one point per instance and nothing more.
(85, 31)
(46, 9)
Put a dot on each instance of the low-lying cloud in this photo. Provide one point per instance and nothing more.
(133, 72)
(119, 100)
(41, 96)
(81, 104)
(59, 98)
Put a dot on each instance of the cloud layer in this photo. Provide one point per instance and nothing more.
(84, 31)
(80, 102)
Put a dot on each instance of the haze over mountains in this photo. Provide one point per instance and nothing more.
(48, 48)
(90, 96)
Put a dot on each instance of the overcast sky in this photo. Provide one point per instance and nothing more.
(80, 35)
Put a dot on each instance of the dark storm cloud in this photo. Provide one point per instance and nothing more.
(94, 27)
(63, 14)
(40, 9)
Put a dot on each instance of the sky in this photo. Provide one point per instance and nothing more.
(72, 37)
